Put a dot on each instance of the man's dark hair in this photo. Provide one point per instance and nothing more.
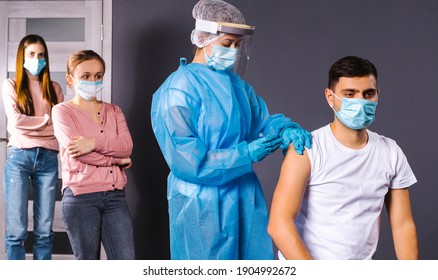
(349, 67)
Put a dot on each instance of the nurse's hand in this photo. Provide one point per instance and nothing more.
(260, 148)
(297, 135)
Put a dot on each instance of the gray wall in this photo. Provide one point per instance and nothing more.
(295, 44)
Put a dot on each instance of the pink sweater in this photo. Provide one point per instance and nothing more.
(98, 170)
(30, 131)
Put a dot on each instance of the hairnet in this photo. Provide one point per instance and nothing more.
(216, 11)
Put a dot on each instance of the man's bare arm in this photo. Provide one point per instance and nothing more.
(286, 204)
(402, 224)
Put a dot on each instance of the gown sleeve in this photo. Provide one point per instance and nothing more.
(262, 121)
(174, 117)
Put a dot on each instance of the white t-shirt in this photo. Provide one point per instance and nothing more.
(340, 213)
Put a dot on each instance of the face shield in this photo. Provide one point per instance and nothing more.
(246, 31)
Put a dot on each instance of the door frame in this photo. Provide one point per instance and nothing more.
(68, 9)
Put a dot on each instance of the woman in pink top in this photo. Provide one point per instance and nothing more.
(32, 149)
(95, 148)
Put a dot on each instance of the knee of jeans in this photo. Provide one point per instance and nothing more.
(46, 237)
(43, 230)
(17, 236)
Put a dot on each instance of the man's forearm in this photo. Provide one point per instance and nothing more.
(406, 242)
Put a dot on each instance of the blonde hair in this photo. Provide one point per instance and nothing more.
(80, 56)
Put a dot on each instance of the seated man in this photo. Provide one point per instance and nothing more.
(327, 203)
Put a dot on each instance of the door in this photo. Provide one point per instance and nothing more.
(66, 26)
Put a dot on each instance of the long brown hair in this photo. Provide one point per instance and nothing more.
(24, 97)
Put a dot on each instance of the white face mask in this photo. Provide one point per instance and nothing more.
(34, 65)
(88, 90)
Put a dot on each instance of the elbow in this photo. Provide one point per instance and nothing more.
(124, 151)
(129, 148)
(271, 232)
(273, 229)
(194, 173)
(125, 147)
(280, 227)
(189, 174)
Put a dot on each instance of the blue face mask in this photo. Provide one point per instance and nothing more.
(221, 58)
(34, 65)
(356, 113)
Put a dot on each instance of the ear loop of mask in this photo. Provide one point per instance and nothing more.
(205, 52)
(74, 81)
(333, 107)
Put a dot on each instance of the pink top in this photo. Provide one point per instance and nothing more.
(98, 170)
(30, 131)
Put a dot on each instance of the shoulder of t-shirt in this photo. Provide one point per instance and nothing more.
(319, 135)
(381, 139)
(320, 132)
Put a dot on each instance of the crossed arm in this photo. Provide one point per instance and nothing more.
(83, 148)
(80, 145)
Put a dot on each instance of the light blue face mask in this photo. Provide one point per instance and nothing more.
(88, 90)
(221, 58)
(34, 65)
(356, 113)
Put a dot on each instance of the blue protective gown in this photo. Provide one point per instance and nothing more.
(203, 121)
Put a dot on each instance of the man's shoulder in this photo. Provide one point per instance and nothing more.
(381, 139)
(320, 140)
(320, 132)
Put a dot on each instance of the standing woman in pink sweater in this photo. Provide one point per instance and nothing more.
(32, 149)
(95, 148)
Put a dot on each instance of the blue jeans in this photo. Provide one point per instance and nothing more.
(98, 217)
(23, 166)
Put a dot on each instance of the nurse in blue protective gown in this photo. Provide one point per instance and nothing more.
(211, 127)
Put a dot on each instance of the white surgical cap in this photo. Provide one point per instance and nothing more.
(216, 11)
